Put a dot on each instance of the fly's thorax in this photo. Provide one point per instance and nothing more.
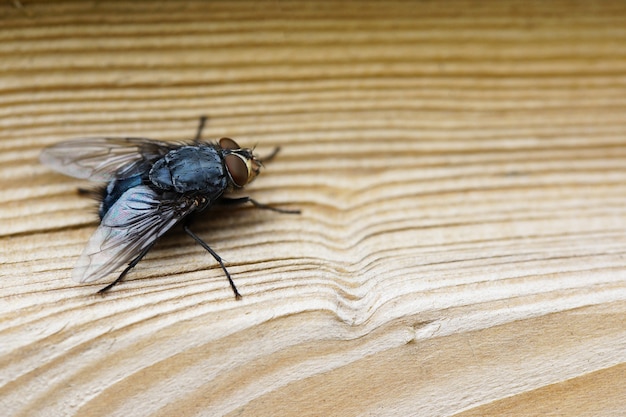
(206, 169)
(191, 169)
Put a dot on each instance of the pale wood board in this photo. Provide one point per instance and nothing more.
(461, 170)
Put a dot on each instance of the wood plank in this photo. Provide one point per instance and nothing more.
(460, 167)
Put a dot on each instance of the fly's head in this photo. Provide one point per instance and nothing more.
(241, 164)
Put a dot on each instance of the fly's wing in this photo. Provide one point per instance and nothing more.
(132, 224)
(102, 159)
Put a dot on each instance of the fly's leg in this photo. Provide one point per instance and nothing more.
(203, 120)
(243, 200)
(215, 255)
(92, 193)
(130, 266)
(270, 156)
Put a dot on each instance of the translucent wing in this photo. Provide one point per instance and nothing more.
(102, 159)
(132, 224)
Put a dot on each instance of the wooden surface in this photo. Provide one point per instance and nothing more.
(461, 170)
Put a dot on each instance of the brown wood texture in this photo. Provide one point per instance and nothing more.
(461, 170)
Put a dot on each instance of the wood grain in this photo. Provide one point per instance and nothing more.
(461, 171)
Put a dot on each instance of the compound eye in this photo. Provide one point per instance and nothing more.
(237, 169)
(228, 143)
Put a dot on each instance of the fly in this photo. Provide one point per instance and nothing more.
(152, 186)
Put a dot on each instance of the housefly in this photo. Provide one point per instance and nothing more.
(152, 186)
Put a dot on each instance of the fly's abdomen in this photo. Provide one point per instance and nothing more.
(114, 191)
(188, 169)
